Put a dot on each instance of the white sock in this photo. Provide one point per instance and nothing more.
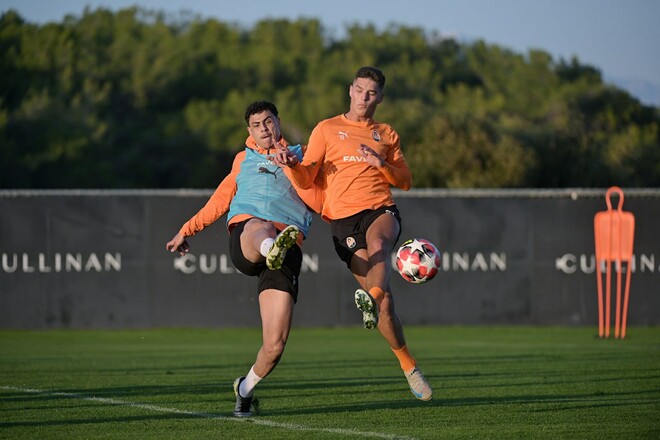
(248, 384)
(266, 245)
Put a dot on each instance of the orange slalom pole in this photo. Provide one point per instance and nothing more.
(625, 304)
(599, 273)
(617, 318)
(608, 298)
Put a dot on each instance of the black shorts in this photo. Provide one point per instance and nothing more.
(350, 234)
(285, 278)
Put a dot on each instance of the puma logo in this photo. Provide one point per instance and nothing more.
(265, 170)
(343, 135)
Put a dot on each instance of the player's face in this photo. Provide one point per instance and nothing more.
(365, 97)
(264, 127)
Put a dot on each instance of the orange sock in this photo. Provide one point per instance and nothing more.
(406, 360)
(377, 294)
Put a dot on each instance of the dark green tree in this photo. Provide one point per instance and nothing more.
(140, 98)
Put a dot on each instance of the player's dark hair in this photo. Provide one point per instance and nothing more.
(373, 73)
(258, 107)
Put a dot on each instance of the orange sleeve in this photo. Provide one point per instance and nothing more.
(398, 175)
(304, 173)
(312, 196)
(396, 169)
(218, 204)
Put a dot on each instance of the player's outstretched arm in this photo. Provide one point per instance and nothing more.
(303, 173)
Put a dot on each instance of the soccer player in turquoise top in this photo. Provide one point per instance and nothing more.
(267, 220)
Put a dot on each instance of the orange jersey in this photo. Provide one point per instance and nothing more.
(218, 204)
(351, 184)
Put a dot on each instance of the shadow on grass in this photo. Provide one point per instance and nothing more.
(558, 402)
(130, 397)
(94, 420)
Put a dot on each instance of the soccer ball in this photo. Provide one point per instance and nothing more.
(418, 260)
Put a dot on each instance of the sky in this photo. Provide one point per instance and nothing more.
(621, 38)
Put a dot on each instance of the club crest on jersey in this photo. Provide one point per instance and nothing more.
(375, 135)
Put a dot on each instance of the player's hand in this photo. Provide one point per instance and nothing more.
(178, 244)
(372, 157)
(285, 158)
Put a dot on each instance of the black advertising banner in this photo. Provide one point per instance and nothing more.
(97, 259)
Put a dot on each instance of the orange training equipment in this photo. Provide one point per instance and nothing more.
(614, 234)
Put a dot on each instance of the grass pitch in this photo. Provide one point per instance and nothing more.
(489, 382)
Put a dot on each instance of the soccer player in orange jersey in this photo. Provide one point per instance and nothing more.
(359, 159)
(258, 206)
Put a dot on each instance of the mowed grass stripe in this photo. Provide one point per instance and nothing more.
(255, 420)
(489, 382)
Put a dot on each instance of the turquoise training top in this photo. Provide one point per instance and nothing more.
(265, 192)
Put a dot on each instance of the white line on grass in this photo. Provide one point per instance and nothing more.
(162, 409)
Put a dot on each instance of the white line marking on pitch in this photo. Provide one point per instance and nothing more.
(162, 409)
